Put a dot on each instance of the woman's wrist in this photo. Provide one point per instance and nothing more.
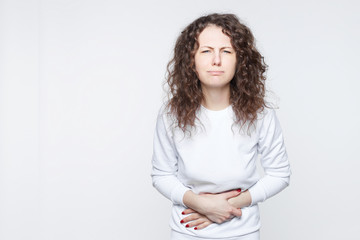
(190, 199)
(241, 201)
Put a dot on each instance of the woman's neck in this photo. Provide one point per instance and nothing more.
(216, 98)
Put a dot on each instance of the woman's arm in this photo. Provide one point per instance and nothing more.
(273, 159)
(241, 201)
(164, 163)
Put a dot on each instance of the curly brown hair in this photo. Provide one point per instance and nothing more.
(247, 88)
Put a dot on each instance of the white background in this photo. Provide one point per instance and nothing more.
(81, 85)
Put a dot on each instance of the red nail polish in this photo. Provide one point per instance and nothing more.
(182, 221)
(239, 190)
(195, 228)
(183, 213)
(187, 225)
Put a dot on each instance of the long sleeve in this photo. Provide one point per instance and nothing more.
(164, 164)
(274, 160)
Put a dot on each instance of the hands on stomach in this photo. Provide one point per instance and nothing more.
(207, 208)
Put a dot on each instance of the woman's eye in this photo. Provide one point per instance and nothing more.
(227, 51)
(205, 51)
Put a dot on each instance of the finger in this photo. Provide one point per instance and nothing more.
(192, 217)
(203, 225)
(236, 212)
(196, 222)
(208, 193)
(187, 211)
(232, 194)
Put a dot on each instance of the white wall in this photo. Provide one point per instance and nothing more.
(80, 87)
(19, 120)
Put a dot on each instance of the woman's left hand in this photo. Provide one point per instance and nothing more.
(195, 220)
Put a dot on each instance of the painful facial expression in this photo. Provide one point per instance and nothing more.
(215, 59)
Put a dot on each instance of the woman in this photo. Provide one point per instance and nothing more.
(210, 132)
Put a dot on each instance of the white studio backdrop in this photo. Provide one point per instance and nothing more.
(81, 86)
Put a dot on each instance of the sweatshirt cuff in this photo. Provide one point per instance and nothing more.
(178, 193)
(257, 193)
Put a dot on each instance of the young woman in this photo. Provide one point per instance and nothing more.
(211, 130)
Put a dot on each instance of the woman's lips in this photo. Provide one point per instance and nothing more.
(215, 73)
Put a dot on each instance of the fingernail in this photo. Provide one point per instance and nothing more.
(195, 228)
(187, 225)
(239, 190)
(183, 213)
(182, 221)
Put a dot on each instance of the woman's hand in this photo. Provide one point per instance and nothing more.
(195, 219)
(215, 207)
(200, 221)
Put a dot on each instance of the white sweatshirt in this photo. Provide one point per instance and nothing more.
(217, 158)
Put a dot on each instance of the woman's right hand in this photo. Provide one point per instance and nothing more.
(195, 220)
(214, 206)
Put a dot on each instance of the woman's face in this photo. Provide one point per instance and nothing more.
(215, 59)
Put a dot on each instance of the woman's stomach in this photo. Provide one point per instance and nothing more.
(237, 226)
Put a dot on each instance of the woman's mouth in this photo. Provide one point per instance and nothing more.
(215, 73)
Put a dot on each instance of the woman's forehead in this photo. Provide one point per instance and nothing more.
(212, 36)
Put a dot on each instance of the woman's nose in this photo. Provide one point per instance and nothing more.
(217, 59)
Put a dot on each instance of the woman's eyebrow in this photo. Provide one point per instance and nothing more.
(213, 48)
